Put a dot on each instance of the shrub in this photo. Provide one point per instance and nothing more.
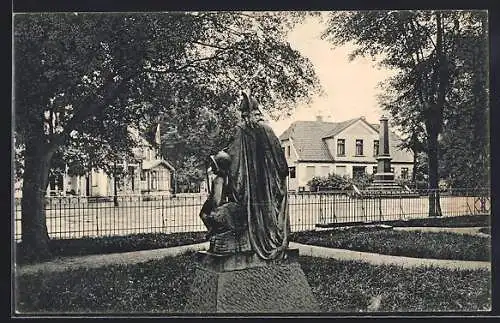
(362, 181)
(332, 182)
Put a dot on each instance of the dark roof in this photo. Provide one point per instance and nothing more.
(308, 139)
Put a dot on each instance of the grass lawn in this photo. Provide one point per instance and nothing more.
(162, 286)
(133, 242)
(437, 245)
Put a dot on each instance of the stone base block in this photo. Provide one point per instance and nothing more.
(244, 283)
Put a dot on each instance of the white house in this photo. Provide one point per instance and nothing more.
(318, 148)
(147, 173)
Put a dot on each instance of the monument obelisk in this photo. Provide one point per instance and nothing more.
(384, 178)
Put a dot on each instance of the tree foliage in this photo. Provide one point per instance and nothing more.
(429, 52)
(81, 80)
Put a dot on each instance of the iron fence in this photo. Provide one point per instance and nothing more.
(76, 216)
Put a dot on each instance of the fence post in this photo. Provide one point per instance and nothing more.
(321, 218)
(162, 214)
(401, 215)
(379, 198)
(97, 215)
(363, 209)
(334, 207)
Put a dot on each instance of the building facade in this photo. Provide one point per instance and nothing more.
(145, 173)
(349, 148)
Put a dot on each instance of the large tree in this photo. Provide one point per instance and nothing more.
(424, 48)
(465, 141)
(82, 79)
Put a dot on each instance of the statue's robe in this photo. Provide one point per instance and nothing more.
(258, 181)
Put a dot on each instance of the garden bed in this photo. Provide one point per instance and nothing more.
(162, 286)
(435, 245)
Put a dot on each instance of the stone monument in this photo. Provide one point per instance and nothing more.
(248, 267)
(383, 182)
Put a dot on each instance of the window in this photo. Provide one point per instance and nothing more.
(358, 171)
(291, 171)
(404, 173)
(359, 147)
(283, 148)
(374, 169)
(288, 151)
(375, 147)
(340, 147)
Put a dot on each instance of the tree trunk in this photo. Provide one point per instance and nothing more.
(413, 173)
(434, 203)
(35, 238)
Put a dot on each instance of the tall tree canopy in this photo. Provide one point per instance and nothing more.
(431, 54)
(82, 79)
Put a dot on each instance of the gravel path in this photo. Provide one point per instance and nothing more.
(378, 259)
(93, 261)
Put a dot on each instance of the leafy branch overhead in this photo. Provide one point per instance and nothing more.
(84, 77)
(439, 60)
(85, 81)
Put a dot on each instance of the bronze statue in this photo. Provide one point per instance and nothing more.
(220, 213)
(255, 210)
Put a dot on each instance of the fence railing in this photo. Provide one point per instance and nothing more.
(75, 216)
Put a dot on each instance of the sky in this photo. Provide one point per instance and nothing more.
(350, 88)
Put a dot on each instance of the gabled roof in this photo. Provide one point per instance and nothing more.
(339, 126)
(306, 137)
(134, 134)
(150, 164)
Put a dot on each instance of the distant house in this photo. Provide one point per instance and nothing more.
(348, 148)
(147, 173)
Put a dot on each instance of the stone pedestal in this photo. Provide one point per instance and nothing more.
(244, 283)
